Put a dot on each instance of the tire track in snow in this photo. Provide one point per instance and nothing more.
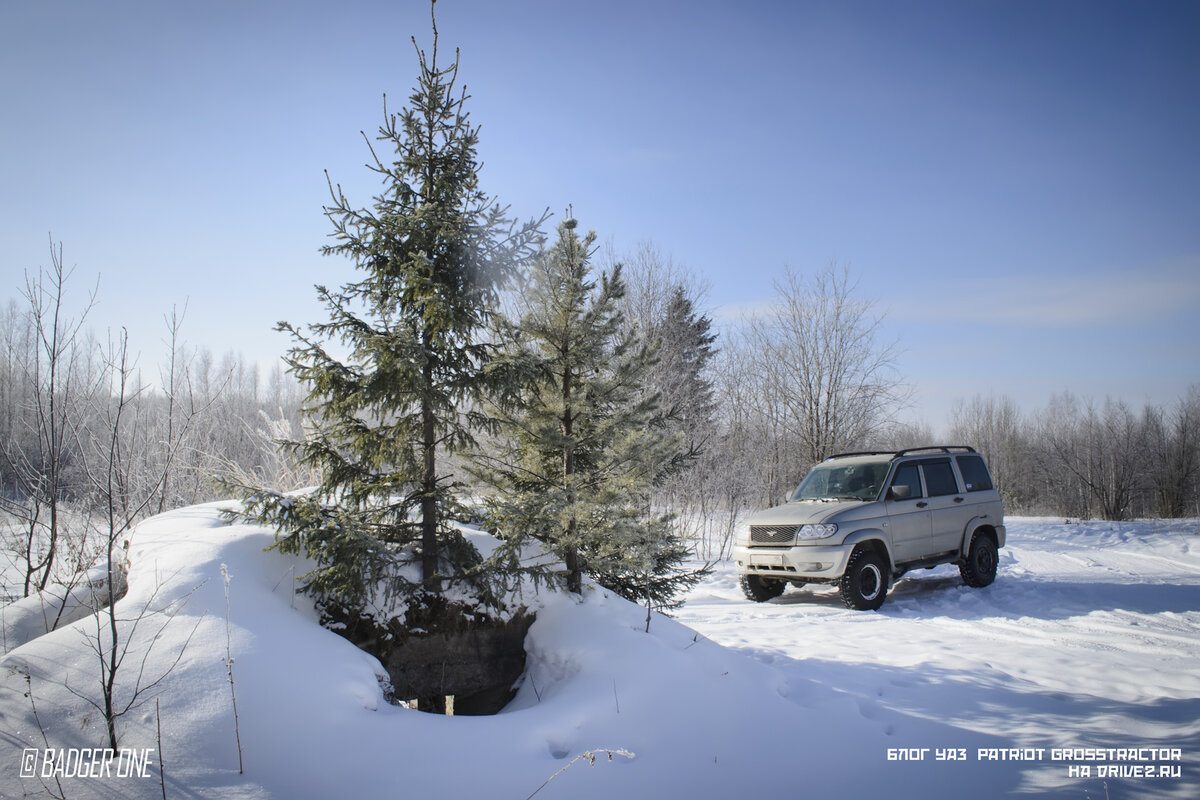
(1089, 637)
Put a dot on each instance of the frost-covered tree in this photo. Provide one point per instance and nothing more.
(432, 250)
(582, 444)
(825, 383)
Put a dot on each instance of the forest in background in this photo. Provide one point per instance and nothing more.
(83, 424)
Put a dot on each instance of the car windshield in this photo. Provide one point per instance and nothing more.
(857, 481)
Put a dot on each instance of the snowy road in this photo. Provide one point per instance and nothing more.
(1089, 638)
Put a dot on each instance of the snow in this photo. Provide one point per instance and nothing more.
(27, 618)
(1088, 639)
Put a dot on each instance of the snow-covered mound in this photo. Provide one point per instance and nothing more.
(1088, 638)
(688, 715)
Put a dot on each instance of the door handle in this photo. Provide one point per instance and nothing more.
(922, 504)
(958, 499)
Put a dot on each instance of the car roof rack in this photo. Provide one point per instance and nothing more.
(946, 448)
(863, 453)
(941, 448)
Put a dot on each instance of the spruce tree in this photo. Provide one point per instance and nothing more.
(432, 250)
(685, 346)
(581, 443)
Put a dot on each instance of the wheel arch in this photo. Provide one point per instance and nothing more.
(873, 539)
(981, 525)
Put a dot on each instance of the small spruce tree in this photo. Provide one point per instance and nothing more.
(581, 443)
(432, 250)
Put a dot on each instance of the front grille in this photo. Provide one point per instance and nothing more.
(773, 534)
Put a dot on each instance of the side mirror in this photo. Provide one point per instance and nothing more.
(900, 492)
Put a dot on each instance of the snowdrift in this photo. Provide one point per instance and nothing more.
(806, 698)
(680, 713)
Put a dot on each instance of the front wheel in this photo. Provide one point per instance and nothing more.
(979, 567)
(865, 583)
(760, 589)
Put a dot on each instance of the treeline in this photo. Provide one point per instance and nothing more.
(1081, 458)
(759, 402)
(86, 433)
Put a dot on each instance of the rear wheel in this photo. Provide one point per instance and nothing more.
(864, 585)
(979, 567)
(760, 589)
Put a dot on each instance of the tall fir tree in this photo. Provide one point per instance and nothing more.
(433, 250)
(581, 443)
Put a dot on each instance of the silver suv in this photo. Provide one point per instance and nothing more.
(862, 520)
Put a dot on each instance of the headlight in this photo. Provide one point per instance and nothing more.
(817, 531)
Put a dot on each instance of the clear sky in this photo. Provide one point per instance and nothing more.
(1016, 184)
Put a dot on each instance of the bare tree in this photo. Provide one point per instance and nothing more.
(1093, 459)
(180, 401)
(119, 509)
(994, 426)
(16, 342)
(53, 368)
(794, 383)
(653, 276)
(1173, 455)
(833, 385)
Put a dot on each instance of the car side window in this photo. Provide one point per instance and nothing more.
(974, 473)
(906, 475)
(939, 477)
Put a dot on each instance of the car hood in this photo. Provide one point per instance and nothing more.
(803, 512)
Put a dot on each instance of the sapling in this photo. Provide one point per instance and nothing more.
(229, 667)
(162, 766)
(24, 670)
(590, 755)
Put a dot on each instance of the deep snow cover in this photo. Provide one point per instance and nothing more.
(1087, 640)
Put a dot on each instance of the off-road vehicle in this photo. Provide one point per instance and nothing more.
(862, 520)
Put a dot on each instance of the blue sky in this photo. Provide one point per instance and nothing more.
(1015, 184)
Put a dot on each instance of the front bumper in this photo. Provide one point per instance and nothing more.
(797, 562)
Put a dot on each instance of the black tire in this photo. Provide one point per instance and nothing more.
(864, 585)
(760, 589)
(979, 567)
